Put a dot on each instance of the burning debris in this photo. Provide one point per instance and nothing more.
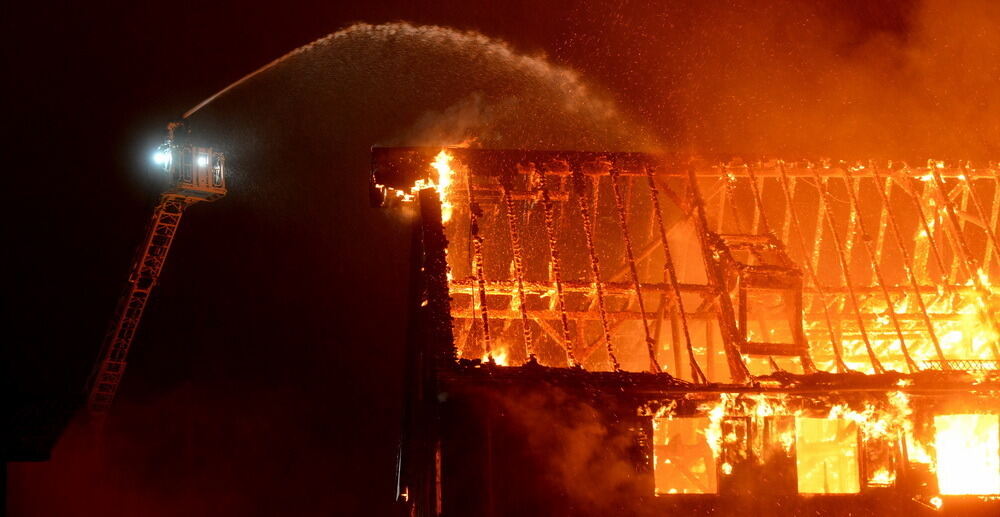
(797, 327)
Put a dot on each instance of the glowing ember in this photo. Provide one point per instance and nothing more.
(967, 454)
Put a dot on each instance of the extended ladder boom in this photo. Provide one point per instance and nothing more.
(197, 174)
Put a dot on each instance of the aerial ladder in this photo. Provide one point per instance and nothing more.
(196, 174)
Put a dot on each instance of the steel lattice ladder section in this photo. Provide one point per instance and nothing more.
(145, 272)
(196, 175)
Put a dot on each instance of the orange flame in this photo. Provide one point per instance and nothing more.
(500, 356)
(442, 185)
(442, 164)
(967, 454)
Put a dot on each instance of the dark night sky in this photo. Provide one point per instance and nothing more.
(232, 407)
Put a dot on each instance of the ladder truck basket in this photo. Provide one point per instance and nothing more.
(197, 173)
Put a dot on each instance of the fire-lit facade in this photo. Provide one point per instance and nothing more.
(640, 334)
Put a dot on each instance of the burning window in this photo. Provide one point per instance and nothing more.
(683, 462)
(968, 454)
(826, 456)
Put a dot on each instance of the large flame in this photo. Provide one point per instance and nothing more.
(916, 451)
(840, 444)
(826, 456)
(442, 164)
(967, 454)
(442, 185)
(713, 433)
(967, 335)
(499, 355)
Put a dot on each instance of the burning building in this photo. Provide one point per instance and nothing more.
(623, 332)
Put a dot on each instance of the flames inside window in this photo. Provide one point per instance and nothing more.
(683, 461)
(826, 456)
(968, 459)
